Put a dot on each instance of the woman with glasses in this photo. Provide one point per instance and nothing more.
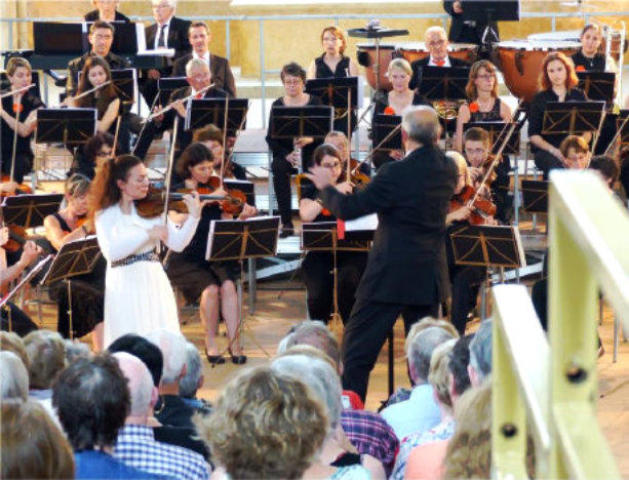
(317, 266)
(289, 155)
(87, 291)
(96, 151)
(483, 103)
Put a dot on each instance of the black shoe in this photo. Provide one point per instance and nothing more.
(238, 359)
(215, 359)
(287, 232)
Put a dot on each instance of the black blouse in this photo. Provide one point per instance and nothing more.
(324, 71)
(382, 102)
(536, 113)
(595, 64)
(492, 115)
(29, 103)
(95, 15)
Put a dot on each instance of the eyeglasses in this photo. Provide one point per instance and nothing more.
(293, 83)
(104, 153)
(486, 76)
(475, 151)
(331, 166)
(98, 36)
(436, 43)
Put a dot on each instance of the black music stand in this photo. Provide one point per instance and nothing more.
(74, 258)
(598, 85)
(342, 93)
(70, 126)
(239, 240)
(490, 11)
(29, 211)
(443, 83)
(168, 85)
(495, 129)
(572, 118)
(624, 135)
(125, 37)
(55, 38)
(206, 111)
(383, 127)
(535, 196)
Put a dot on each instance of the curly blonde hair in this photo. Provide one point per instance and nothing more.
(265, 425)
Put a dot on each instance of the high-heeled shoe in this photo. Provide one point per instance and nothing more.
(215, 359)
(237, 359)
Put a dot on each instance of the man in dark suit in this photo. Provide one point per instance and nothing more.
(465, 31)
(200, 37)
(101, 37)
(437, 45)
(406, 272)
(168, 31)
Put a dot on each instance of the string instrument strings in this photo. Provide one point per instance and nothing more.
(171, 105)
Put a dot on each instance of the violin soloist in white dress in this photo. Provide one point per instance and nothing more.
(138, 295)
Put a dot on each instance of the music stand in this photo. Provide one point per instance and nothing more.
(74, 258)
(125, 40)
(166, 86)
(443, 83)
(238, 240)
(124, 82)
(70, 126)
(494, 129)
(245, 186)
(29, 211)
(624, 135)
(491, 11)
(55, 38)
(535, 196)
(383, 127)
(572, 118)
(342, 93)
(598, 85)
(206, 111)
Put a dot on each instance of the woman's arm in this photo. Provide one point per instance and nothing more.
(57, 236)
(25, 128)
(179, 235)
(111, 113)
(117, 243)
(353, 69)
(309, 209)
(505, 112)
(312, 71)
(462, 118)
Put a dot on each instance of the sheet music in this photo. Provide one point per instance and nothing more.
(360, 224)
(518, 241)
(141, 38)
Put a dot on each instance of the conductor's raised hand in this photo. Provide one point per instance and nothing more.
(193, 203)
(320, 176)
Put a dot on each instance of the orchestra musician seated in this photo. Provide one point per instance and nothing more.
(465, 280)
(97, 150)
(483, 103)
(576, 152)
(437, 45)
(477, 150)
(289, 156)
(212, 138)
(23, 107)
(200, 36)
(589, 57)
(106, 10)
(212, 282)
(339, 141)
(558, 82)
(317, 267)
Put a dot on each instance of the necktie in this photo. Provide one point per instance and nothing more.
(440, 63)
(198, 96)
(161, 39)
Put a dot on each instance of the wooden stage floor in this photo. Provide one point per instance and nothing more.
(275, 314)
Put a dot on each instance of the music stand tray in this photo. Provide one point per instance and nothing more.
(338, 92)
(206, 111)
(323, 237)
(376, 32)
(29, 211)
(443, 83)
(597, 85)
(382, 126)
(295, 122)
(239, 239)
(494, 129)
(74, 258)
(56, 38)
(488, 246)
(535, 196)
(124, 81)
(70, 126)
(572, 118)
(624, 135)
(167, 86)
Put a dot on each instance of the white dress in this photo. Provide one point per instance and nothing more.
(138, 296)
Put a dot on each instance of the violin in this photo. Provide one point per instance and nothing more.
(482, 208)
(17, 238)
(232, 204)
(356, 177)
(21, 189)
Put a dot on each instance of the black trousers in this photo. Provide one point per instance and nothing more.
(20, 322)
(546, 162)
(365, 333)
(465, 285)
(282, 170)
(317, 271)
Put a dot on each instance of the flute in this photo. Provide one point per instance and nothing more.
(15, 92)
(171, 105)
(91, 90)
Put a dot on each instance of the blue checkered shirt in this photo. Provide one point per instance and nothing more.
(137, 447)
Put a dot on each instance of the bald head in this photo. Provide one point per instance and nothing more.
(421, 126)
(139, 381)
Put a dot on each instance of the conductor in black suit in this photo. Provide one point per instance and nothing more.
(199, 36)
(168, 31)
(462, 30)
(406, 271)
(437, 45)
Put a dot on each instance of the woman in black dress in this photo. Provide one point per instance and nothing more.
(334, 63)
(557, 81)
(317, 266)
(23, 108)
(87, 290)
(106, 10)
(289, 155)
(588, 58)
(211, 282)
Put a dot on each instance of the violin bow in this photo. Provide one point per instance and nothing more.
(169, 170)
(227, 159)
(349, 134)
(377, 147)
(113, 148)
(18, 106)
(614, 140)
(223, 161)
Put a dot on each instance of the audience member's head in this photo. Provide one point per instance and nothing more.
(420, 349)
(146, 351)
(12, 342)
(46, 356)
(439, 375)
(33, 446)
(143, 394)
(14, 378)
(173, 348)
(265, 425)
(316, 334)
(425, 323)
(92, 400)
(193, 379)
(76, 349)
(319, 376)
(459, 361)
(480, 354)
